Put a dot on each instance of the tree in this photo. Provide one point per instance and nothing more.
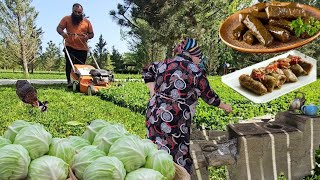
(116, 58)
(101, 54)
(51, 58)
(17, 18)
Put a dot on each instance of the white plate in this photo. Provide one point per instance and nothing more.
(232, 79)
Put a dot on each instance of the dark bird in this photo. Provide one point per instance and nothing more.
(28, 94)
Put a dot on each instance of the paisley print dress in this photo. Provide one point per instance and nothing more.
(178, 84)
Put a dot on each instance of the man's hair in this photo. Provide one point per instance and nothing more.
(77, 5)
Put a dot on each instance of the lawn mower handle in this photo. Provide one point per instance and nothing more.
(66, 50)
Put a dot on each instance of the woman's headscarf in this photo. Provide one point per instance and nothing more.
(191, 46)
(188, 45)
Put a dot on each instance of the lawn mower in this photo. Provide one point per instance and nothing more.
(87, 79)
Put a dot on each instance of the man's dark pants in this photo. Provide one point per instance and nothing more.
(77, 57)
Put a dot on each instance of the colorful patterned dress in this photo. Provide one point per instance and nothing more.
(178, 84)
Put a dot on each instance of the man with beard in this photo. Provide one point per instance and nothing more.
(78, 31)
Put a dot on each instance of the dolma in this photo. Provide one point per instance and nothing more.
(242, 16)
(252, 85)
(239, 31)
(291, 77)
(248, 37)
(258, 7)
(305, 66)
(282, 23)
(279, 33)
(284, 63)
(280, 78)
(284, 12)
(262, 16)
(297, 70)
(269, 82)
(258, 30)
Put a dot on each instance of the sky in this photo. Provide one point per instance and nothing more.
(51, 12)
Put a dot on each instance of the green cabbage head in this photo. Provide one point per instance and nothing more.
(48, 168)
(108, 135)
(107, 168)
(130, 151)
(14, 128)
(144, 174)
(35, 139)
(78, 142)
(14, 162)
(149, 146)
(163, 162)
(62, 148)
(93, 129)
(4, 141)
(84, 158)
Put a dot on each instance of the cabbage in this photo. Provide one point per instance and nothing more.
(84, 158)
(93, 129)
(144, 174)
(14, 128)
(108, 135)
(4, 141)
(163, 162)
(78, 142)
(48, 168)
(130, 151)
(14, 162)
(107, 168)
(149, 146)
(63, 149)
(35, 139)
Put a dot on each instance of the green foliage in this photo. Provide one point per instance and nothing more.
(65, 106)
(311, 27)
(135, 96)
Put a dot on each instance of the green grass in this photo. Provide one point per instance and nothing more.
(65, 106)
(6, 74)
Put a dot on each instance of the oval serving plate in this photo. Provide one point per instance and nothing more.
(225, 33)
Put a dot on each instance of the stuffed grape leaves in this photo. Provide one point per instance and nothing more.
(284, 12)
(282, 23)
(305, 65)
(258, 30)
(279, 33)
(269, 82)
(297, 70)
(291, 77)
(280, 77)
(239, 31)
(252, 85)
(248, 37)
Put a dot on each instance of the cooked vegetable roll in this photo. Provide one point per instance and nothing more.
(279, 33)
(239, 31)
(254, 86)
(242, 16)
(280, 78)
(291, 77)
(248, 37)
(297, 70)
(305, 66)
(285, 12)
(269, 82)
(282, 23)
(258, 30)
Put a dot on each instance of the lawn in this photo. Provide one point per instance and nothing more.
(6, 74)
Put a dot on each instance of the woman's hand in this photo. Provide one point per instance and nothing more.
(226, 107)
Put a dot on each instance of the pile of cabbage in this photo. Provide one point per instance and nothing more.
(104, 151)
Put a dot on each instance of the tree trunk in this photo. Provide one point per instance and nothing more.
(25, 62)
